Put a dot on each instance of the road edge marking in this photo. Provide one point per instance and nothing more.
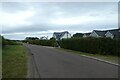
(101, 60)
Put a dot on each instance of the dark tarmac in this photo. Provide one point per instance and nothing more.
(48, 62)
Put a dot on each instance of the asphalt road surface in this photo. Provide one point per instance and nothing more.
(47, 62)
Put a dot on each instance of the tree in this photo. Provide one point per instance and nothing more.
(31, 38)
(77, 35)
(52, 38)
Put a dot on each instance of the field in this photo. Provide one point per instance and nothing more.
(14, 61)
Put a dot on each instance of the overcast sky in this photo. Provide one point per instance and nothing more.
(23, 19)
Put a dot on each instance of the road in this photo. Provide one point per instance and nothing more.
(47, 62)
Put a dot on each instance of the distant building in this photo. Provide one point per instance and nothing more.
(61, 35)
(44, 38)
(98, 33)
(115, 33)
(86, 35)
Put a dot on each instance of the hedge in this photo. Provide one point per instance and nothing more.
(104, 46)
(9, 42)
(42, 42)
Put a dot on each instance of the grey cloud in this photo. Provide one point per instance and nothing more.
(39, 28)
(12, 7)
(32, 28)
(45, 12)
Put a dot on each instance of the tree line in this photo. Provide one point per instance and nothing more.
(5, 41)
(105, 46)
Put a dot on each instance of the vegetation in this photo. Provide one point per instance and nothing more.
(0, 39)
(109, 58)
(32, 38)
(104, 46)
(77, 35)
(0, 56)
(52, 38)
(42, 42)
(14, 62)
(9, 42)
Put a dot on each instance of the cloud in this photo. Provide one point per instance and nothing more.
(29, 18)
(85, 19)
(14, 19)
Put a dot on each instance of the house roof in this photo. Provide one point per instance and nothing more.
(60, 34)
(100, 33)
(115, 32)
(43, 37)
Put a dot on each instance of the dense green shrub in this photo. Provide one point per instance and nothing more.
(9, 42)
(104, 46)
(42, 42)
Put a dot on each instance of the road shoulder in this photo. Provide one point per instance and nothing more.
(107, 59)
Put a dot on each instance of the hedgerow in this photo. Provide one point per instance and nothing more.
(9, 42)
(104, 46)
(42, 42)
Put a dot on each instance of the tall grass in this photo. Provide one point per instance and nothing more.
(14, 62)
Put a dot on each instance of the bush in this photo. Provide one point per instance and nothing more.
(42, 42)
(9, 42)
(104, 46)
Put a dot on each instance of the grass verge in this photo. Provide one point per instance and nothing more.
(113, 59)
(0, 61)
(14, 61)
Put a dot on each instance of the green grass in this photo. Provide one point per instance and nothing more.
(14, 62)
(0, 56)
(109, 58)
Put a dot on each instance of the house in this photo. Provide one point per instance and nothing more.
(86, 35)
(98, 33)
(115, 33)
(44, 38)
(61, 35)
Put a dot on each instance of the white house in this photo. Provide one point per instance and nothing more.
(44, 38)
(113, 33)
(86, 35)
(108, 34)
(61, 35)
(97, 33)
